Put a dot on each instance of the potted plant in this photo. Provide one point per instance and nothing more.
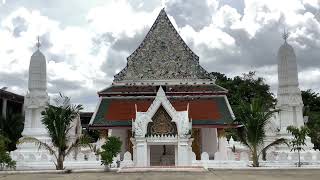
(110, 149)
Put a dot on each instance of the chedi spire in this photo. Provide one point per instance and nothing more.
(37, 70)
(289, 94)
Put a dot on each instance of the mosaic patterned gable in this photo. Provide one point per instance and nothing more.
(162, 55)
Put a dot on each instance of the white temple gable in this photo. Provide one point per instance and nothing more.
(180, 118)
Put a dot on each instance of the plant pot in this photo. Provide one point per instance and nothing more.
(106, 168)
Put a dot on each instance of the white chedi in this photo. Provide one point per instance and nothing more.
(37, 97)
(289, 95)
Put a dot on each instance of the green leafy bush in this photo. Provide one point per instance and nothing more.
(5, 159)
(110, 150)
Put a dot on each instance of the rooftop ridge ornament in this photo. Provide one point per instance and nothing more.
(38, 42)
(285, 35)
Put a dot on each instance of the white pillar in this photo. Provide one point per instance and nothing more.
(223, 148)
(148, 154)
(183, 152)
(141, 152)
(176, 155)
(122, 134)
(134, 154)
(4, 108)
(209, 141)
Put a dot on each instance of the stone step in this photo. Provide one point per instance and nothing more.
(163, 169)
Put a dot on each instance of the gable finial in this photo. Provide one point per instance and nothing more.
(38, 42)
(285, 35)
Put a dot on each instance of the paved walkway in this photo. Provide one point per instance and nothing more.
(211, 175)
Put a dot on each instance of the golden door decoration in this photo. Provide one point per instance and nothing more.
(196, 144)
(161, 124)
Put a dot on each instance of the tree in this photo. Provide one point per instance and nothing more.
(110, 149)
(11, 127)
(57, 120)
(5, 159)
(311, 101)
(299, 137)
(246, 88)
(254, 117)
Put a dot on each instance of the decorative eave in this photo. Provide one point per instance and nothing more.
(11, 96)
(183, 89)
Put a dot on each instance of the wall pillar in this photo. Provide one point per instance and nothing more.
(122, 134)
(183, 152)
(209, 141)
(222, 145)
(4, 108)
(148, 155)
(141, 153)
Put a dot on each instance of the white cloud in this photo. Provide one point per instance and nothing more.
(313, 3)
(82, 59)
(118, 17)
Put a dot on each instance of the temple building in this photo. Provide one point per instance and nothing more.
(10, 103)
(163, 105)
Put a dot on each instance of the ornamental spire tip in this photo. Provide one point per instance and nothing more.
(285, 35)
(38, 42)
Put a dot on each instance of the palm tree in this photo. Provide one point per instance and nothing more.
(299, 137)
(254, 117)
(57, 120)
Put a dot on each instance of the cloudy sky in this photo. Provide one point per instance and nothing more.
(86, 42)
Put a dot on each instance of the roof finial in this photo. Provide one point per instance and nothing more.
(285, 35)
(38, 42)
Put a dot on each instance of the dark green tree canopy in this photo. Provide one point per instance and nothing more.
(245, 88)
(311, 101)
(11, 127)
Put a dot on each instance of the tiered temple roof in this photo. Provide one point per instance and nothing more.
(162, 55)
(162, 59)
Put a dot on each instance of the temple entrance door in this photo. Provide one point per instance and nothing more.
(162, 155)
(196, 144)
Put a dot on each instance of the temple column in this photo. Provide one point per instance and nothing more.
(222, 145)
(122, 134)
(148, 154)
(4, 108)
(209, 141)
(183, 152)
(141, 153)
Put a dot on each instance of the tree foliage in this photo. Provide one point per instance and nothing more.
(11, 127)
(299, 138)
(244, 88)
(110, 149)
(57, 120)
(254, 117)
(311, 101)
(5, 159)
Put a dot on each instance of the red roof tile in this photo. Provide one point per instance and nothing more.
(200, 109)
